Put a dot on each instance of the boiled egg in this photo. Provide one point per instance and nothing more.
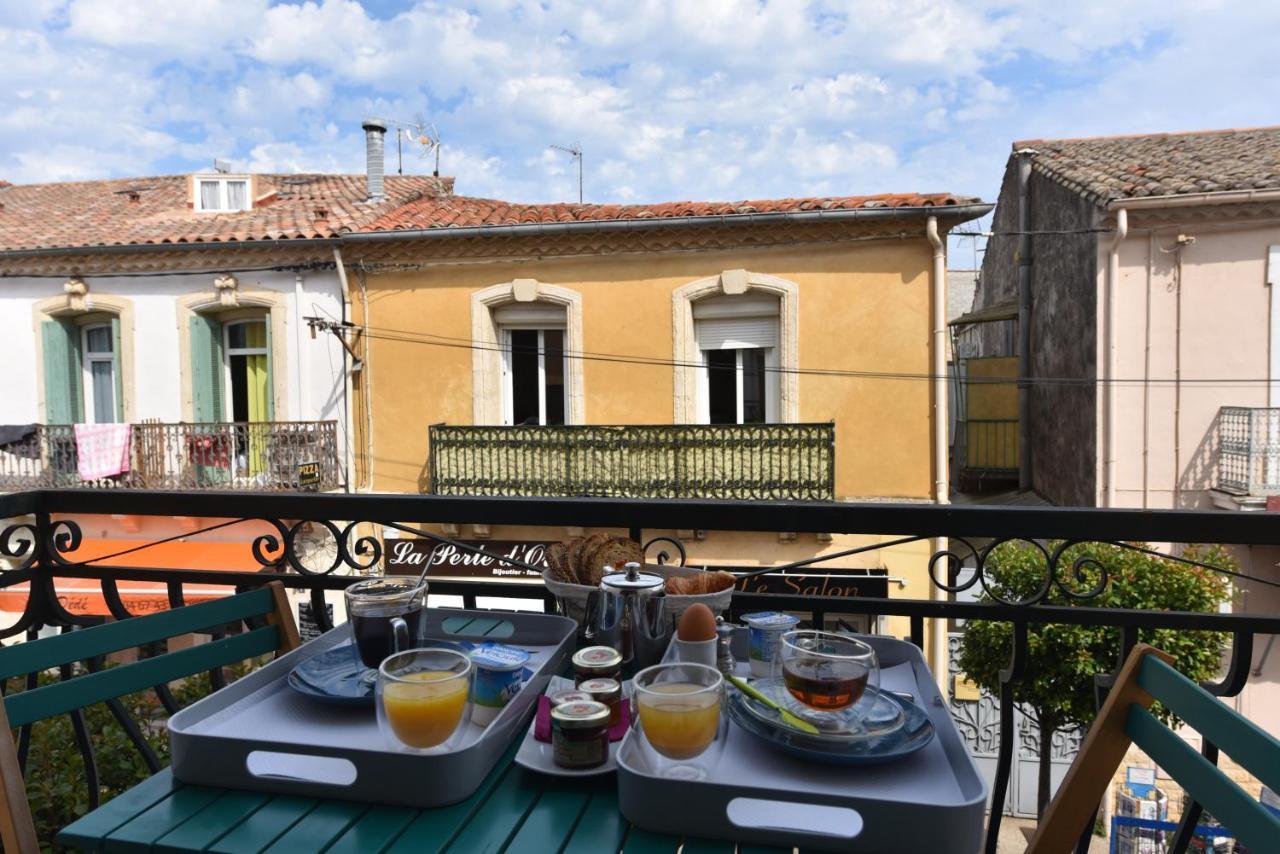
(697, 623)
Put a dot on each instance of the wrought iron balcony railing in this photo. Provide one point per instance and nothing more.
(1249, 450)
(258, 456)
(41, 536)
(729, 461)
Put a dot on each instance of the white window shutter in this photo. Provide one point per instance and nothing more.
(737, 333)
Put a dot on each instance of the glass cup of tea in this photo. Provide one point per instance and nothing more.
(826, 672)
(679, 713)
(387, 615)
(421, 697)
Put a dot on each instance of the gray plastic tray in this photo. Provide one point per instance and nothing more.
(259, 734)
(933, 800)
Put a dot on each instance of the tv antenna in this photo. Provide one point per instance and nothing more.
(419, 132)
(574, 151)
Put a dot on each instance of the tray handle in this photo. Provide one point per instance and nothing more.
(794, 817)
(301, 768)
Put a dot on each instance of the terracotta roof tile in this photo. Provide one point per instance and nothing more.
(458, 211)
(1163, 164)
(157, 210)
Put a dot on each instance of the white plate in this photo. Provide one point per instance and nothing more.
(536, 755)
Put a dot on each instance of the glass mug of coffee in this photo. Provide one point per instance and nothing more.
(387, 615)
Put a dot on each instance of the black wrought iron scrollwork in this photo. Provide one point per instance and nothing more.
(64, 536)
(363, 553)
(1078, 573)
(662, 557)
(20, 548)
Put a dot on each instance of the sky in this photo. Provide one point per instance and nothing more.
(700, 99)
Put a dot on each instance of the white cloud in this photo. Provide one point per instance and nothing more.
(720, 99)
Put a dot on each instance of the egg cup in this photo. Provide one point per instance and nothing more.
(696, 652)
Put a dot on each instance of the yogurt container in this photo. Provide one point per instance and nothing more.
(764, 630)
(499, 673)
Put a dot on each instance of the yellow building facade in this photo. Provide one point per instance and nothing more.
(846, 310)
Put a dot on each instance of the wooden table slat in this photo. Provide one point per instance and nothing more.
(375, 831)
(142, 831)
(264, 825)
(697, 845)
(601, 828)
(211, 823)
(640, 841)
(553, 822)
(432, 830)
(318, 828)
(501, 816)
(88, 831)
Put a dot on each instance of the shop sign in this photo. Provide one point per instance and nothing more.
(410, 556)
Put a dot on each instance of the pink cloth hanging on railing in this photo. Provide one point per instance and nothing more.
(102, 450)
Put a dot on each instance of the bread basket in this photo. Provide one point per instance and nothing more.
(573, 597)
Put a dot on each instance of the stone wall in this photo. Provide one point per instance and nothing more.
(1064, 285)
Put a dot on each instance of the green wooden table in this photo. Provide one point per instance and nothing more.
(513, 810)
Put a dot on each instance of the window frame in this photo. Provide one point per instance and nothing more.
(771, 386)
(508, 373)
(224, 204)
(87, 359)
(228, 392)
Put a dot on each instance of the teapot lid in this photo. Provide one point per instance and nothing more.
(631, 578)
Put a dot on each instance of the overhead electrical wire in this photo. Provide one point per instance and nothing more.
(437, 340)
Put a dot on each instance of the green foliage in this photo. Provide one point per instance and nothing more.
(56, 783)
(1063, 659)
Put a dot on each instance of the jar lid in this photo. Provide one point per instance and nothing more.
(583, 714)
(600, 686)
(559, 698)
(603, 658)
(631, 578)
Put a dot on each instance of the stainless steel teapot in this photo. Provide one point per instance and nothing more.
(628, 614)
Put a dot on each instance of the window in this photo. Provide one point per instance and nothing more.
(533, 363)
(222, 194)
(737, 338)
(82, 377)
(99, 366)
(231, 368)
(248, 381)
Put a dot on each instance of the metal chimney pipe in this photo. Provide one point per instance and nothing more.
(374, 133)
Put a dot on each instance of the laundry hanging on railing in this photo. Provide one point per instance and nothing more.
(102, 450)
(17, 439)
(209, 449)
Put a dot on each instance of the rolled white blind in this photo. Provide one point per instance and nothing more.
(736, 322)
(529, 315)
(737, 333)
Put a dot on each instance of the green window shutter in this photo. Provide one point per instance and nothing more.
(115, 368)
(63, 385)
(206, 369)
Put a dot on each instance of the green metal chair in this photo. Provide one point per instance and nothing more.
(1125, 719)
(279, 635)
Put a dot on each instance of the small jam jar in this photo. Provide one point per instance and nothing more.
(559, 698)
(580, 734)
(596, 662)
(607, 691)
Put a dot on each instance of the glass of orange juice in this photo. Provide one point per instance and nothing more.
(679, 706)
(422, 696)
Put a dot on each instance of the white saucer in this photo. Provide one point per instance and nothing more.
(536, 755)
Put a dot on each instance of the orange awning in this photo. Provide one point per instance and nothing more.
(84, 595)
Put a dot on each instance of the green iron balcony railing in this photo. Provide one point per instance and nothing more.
(794, 462)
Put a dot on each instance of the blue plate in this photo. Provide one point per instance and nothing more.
(915, 732)
(334, 676)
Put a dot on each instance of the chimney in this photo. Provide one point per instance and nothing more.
(374, 131)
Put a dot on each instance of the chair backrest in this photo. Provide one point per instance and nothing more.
(1125, 718)
(279, 634)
